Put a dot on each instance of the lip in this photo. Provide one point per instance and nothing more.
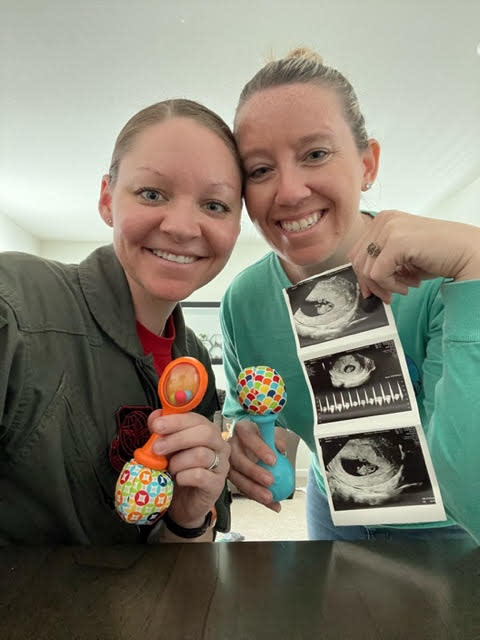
(302, 216)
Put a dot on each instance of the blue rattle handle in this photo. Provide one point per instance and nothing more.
(282, 471)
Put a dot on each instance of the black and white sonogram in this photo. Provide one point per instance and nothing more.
(358, 382)
(376, 469)
(330, 306)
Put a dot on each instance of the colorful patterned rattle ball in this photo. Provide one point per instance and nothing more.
(261, 390)
(142, 494)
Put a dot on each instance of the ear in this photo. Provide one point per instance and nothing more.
(370, 160)
(105, 201)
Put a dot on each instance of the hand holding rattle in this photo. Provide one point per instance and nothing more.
(261, 393)
(144, 487)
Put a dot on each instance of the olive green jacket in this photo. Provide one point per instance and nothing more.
(70, 357)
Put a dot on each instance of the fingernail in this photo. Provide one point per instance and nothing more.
(159, 447)
(267, 480)
(268, 497)
(270, 460)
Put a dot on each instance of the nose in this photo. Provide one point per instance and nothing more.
(181, 221)
(292, 187)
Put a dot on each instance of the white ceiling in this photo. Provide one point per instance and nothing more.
(72, 73)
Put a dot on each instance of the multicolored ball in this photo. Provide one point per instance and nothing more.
(261, 390)
(142, 494)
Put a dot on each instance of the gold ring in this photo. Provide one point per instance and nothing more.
(373, 250)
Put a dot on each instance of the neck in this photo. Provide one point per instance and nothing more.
(152, 312)
(155, 319)
(296, 272)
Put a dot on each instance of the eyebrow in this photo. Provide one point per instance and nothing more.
(318, 137)
(162, 175)
(211, 185)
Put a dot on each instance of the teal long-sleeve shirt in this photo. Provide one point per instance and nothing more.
(439, 327)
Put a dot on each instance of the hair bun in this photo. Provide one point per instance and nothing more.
(306, 53)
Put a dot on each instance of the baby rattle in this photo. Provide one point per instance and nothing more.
(144, 487)
(261, 393)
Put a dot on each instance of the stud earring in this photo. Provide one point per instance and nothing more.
(367, 186)
(109, 222)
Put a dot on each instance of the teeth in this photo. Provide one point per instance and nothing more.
(172, 257)
(301, 225)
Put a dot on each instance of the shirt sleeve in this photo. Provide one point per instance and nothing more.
(12, 370)
(231, 365)
(452, 400)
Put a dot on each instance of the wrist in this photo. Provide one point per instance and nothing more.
(195, 530)
(184, 519)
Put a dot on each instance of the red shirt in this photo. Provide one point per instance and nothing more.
(159, 346)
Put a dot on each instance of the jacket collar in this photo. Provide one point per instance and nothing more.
(108, 296)
(107, 293)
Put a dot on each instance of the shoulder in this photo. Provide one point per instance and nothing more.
(26, 271)
(32, 286)
(254, 277)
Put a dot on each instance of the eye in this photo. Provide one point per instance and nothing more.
(150, 195)
(317, 154)
(258, 173)
(215, 206)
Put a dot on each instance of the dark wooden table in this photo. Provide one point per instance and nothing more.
(278, 590)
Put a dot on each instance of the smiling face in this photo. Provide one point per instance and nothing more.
(304, 175)
(175, 208)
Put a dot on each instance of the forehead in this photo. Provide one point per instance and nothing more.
(289, 110)
(179, 141)
(177, 132)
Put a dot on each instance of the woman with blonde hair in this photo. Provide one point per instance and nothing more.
(307, 159)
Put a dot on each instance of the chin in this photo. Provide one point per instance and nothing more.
(169, 291)
(309, 259)
(172, 296)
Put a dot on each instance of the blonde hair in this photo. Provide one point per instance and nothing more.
(161, 111)
(303, 65)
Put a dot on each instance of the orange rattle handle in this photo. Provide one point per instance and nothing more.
(181, 388)
(145, 455)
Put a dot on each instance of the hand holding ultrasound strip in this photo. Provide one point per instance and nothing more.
(370, 442)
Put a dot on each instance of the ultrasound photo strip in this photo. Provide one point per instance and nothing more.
(381, 477)
(329, 308)
(364, 384)
(359, 382)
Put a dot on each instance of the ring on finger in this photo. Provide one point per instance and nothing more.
(373, 250)
(215, 463)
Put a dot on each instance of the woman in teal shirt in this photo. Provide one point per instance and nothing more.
(307, 158)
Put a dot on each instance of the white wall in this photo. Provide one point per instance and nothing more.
(68, 252)
(461, 206)
(14, 238)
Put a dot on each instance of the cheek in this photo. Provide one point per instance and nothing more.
(132, 227)
(255, 201)
(225, 238)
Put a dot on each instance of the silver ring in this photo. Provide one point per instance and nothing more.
(215, 463)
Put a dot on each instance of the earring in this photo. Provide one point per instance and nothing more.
(109, 222)
(367, 186)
